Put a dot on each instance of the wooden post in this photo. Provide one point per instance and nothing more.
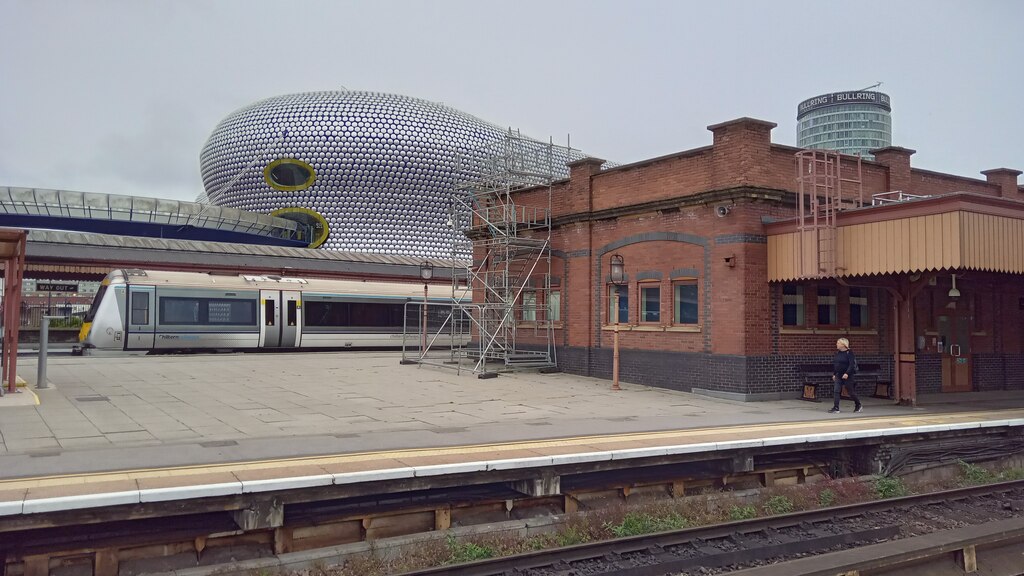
(678, 489)
(570, 504)
(967, 559)
(442, 518)
(282, 540)
(105, 563)
(37, 565)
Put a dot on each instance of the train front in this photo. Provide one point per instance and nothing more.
(103, 327)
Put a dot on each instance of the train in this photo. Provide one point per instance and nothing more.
(166, 311)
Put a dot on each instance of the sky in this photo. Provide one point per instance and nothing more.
(119, 96)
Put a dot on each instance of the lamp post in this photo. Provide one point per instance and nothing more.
(618, 277)
(426, 273)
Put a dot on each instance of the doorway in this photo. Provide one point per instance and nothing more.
(955, 347)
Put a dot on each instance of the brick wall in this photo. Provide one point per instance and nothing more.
(660, 215)
(929, 373)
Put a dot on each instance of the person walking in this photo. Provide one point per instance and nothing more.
(844, 366)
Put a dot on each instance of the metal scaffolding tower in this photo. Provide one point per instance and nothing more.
(501, 214)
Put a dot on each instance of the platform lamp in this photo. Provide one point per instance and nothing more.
(426, 274)
(618, 278)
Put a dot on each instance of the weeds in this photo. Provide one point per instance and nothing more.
(827, 498)
(467, 551)
(889, 487)
(620, 521)
(1011, 474)
(742, 513)
(636, 523)
(974, 475)
(778, 505)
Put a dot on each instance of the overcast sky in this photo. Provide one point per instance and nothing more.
(120, 96)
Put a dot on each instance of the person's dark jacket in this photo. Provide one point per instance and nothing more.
(841, 363)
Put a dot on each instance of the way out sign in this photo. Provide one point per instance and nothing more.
(56, 287)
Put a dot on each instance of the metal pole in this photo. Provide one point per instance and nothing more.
(44, 339)
(423, 348)
(615, 345)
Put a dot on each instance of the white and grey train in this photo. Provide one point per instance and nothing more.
(171, 311)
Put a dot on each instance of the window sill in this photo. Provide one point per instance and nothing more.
(555, 325)
(832, 331)
(650, 328)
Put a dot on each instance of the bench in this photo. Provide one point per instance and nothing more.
(814, 375)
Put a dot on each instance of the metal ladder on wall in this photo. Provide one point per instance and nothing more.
(825, 186)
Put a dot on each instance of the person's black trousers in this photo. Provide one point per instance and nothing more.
(851, 388)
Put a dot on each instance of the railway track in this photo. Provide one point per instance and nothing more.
(726, 547)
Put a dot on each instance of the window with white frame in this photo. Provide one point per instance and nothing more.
(685, 308)
(554, 306)
(792, 305)
(650, 303)
(858, 307)
(529, 306)
(827, 306)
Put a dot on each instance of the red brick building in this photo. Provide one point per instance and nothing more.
(717, 299)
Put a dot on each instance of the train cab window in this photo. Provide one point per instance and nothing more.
(95, 303)
(268, 312)
(140, 308)
(292, 312)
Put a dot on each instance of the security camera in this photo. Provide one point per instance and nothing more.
(721, 211)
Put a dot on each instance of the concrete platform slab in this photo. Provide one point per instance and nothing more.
(131, 412)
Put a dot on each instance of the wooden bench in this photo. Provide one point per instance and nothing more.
(814, 375)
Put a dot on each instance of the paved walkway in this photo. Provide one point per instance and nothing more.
(129, 412)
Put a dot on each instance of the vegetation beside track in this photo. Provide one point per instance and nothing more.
(658, 516)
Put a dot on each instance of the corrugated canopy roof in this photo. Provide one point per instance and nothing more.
(950, 232)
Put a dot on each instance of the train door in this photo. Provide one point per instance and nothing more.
(291, 319)
(270, 318)
(141, 321)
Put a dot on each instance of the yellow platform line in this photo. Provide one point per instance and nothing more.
(594, 442)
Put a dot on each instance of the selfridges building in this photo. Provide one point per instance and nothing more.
(370, 172)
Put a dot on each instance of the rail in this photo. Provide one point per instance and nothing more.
(697, 537)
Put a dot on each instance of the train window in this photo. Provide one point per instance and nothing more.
(268, 312)
(230, 312)
(326, 313)
(356, 315)
(179, 310)
(207, 311)
(292, 310)
(140, 308)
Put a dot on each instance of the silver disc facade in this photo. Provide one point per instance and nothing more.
(379, 169)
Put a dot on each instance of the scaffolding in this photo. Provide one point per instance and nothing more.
(501, 216)
(824, 188)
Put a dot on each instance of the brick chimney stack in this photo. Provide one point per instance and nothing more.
(1006, 179)
(741, 153)
(581, 173)
(897, 160)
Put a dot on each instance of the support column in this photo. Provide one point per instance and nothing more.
(906, 358)
(904, 346)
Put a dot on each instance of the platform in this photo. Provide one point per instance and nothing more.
(156, 427)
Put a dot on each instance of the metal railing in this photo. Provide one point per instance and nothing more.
(62, 315)
(896, 196)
